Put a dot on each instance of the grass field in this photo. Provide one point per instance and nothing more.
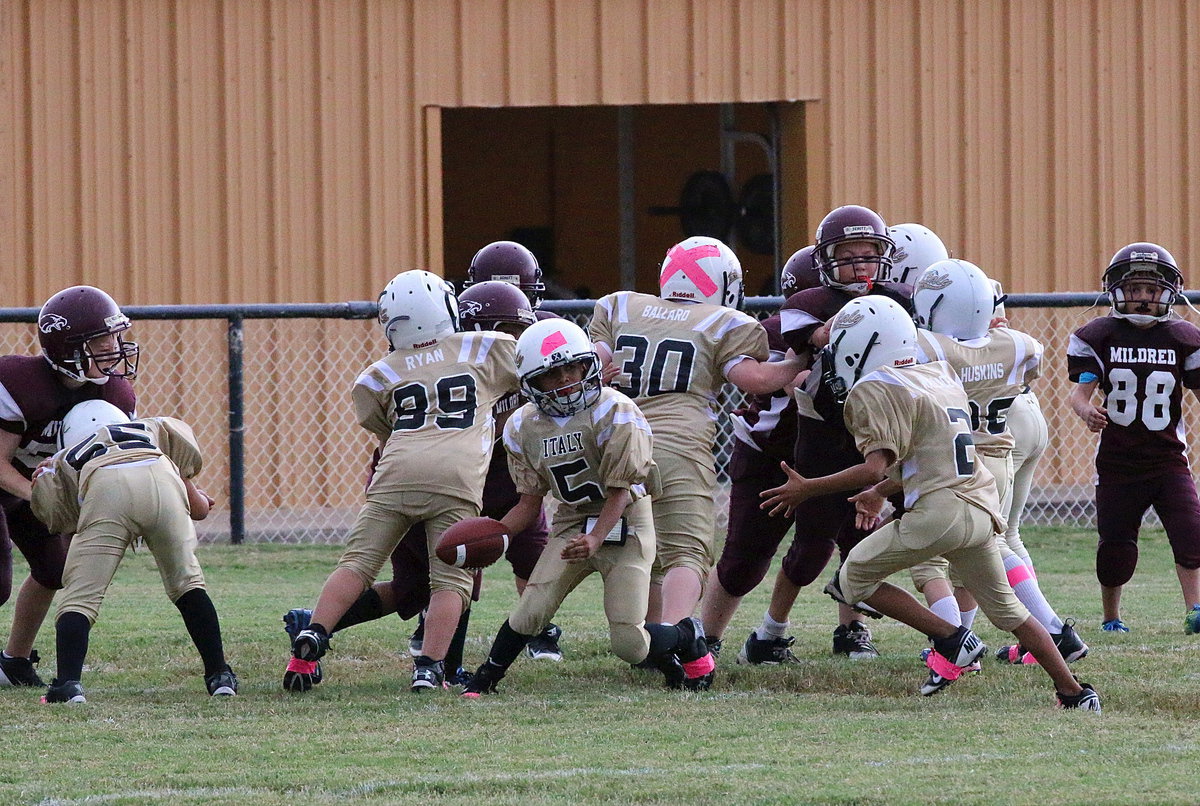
(592, 730)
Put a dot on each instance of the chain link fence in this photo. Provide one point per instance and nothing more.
(302, 458)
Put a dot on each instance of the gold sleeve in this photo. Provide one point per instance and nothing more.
(178, 443)
(55, 499)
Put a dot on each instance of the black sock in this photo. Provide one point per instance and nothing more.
(664, 638)
(454, 655)
(200, 618)
(507, 646)
(367, 607)
(71, 641)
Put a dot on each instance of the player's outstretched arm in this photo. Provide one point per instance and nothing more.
(764, 377)
(523, 514)
(1080, 400)
(782, 500)
(199, 501)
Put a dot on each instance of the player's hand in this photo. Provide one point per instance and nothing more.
(820, 337)
(43, 466)
(784, 499)
(1095, 417)
(582, 547)
(608, 372)
(999, 321)
(868, 506)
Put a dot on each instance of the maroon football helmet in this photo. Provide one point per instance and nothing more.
(852, 223)
(73, 317)
(485, 305)
(1145, 262)
(799, 273)
(511, 263)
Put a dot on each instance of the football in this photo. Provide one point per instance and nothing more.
(473, 543)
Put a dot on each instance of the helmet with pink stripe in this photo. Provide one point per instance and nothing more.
(702, 269)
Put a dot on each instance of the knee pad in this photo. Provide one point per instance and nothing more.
(630, 642)
(1115, 562)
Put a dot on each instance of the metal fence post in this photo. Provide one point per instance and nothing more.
(237, 464)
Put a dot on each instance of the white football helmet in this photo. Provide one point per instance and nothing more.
(998, 290)
(702, 269)
(553, 343)
(416, 309)
(867, 333)
(917, 248)
(954, 298)
(85, 419)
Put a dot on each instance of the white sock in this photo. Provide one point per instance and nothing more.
(771, 628)
(1024, 584)
(967, 617)
(947, 610)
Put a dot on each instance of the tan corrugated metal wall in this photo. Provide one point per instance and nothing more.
(276, 150)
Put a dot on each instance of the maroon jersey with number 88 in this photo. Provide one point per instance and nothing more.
(1142, 372)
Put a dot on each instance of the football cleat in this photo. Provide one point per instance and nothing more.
(484, 680)
(1114, 625)
(222, 684)
(302, 675)
(1191, 622)
(428, 674)
(1069, 644)
(1086, 700)
(941, 673)
(544, 645)
(672, 670)
(1015, 654)
(974, 668)
(834, 590)
(310, 644)
(962, 648)
(20, 671)
(460, 677)
(854, 641)
(68, 691)
(769, 651)
(714, 646)
(296, 620)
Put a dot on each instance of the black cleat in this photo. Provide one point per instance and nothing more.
(484, 680)
(544, 645)
(20, 671)
(222, 684)
(68, 691)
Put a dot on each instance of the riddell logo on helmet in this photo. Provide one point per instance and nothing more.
(682, 295)
(858, 229)
(425, 344)
(904, 362)
(52, 322)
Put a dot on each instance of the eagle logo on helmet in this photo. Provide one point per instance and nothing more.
(934, 281)
(469, 307)
(847, 319)
(52, 322)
